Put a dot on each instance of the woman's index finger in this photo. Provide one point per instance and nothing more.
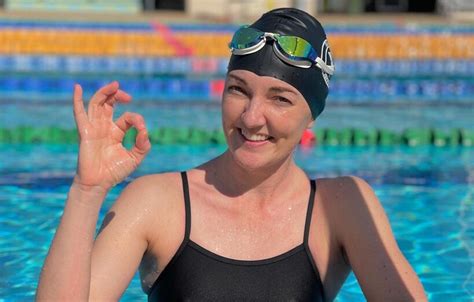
(80, 115)
(101, 96)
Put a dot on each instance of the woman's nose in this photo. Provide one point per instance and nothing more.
(254, 114)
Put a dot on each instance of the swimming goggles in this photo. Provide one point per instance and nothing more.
(292, 50)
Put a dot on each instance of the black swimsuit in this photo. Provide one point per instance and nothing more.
(196, 274)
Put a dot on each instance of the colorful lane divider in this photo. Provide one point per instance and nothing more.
(218, 66)
(48, 88)
(165, 42)
(320, 136)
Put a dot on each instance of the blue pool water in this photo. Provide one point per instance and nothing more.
(428, 194)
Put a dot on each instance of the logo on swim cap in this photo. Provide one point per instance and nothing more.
(327, 58)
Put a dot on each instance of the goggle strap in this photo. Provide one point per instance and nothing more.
(321, 64)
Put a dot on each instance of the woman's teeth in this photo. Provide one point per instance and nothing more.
(254, 137)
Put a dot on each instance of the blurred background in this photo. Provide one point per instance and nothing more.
(399, 114)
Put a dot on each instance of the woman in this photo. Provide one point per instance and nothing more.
(247, 225)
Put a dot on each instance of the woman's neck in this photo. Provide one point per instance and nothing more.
(261, 184)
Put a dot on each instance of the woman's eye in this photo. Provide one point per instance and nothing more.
(284, 100)
(235, 89)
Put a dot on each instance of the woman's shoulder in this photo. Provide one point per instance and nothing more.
(346, 184)
(352, 200)
(149, 203)
(349, 197)
(158, 182)
(153, 193)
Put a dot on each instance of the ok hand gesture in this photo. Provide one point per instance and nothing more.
(103, 161)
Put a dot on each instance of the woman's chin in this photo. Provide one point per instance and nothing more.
(252, 161)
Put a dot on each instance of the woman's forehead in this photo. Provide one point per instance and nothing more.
(266, 84)
(252, 79)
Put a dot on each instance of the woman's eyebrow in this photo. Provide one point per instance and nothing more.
(238, 79)
(282, 89)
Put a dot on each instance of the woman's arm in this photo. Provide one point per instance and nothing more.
(102, 162)
(66, 271)
(370, 247)
(131, 227)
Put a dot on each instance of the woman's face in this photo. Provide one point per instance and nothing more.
(263, 118)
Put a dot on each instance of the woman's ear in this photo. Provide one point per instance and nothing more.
(311, 124)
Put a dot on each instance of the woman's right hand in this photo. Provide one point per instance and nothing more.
(103, 160)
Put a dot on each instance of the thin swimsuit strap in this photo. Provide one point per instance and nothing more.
(187, 206)
(309, 212)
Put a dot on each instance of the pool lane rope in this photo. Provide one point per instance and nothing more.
(319, 136)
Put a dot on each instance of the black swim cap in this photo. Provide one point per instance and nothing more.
(312, 83)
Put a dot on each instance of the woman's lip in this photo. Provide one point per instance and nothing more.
(253, 143)
(265, 135)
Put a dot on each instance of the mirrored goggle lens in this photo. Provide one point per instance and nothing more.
(245, 37)
(297, 48)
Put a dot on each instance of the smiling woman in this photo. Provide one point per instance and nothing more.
(246, 225)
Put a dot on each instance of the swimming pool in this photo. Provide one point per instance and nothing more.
(428, 192)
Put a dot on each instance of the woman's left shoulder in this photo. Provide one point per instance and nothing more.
(350, 198)
(348, 189)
